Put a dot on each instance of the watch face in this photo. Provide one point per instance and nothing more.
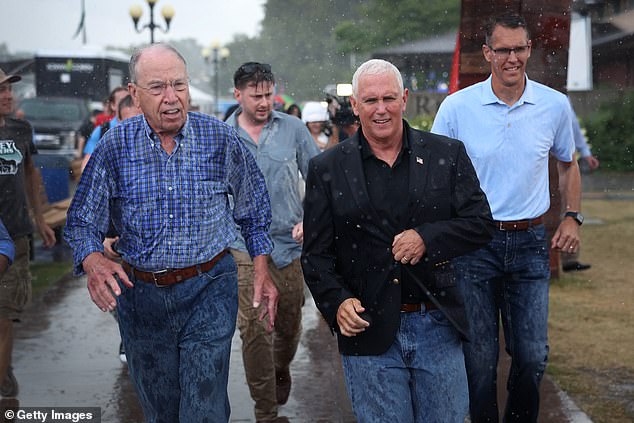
(577, 216)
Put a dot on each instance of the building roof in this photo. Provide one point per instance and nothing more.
(613, 29)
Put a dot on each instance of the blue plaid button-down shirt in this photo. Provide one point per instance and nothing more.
(171, 211)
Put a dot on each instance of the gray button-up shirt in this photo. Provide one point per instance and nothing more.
(282, 152)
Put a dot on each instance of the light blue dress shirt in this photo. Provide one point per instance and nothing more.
(509, 145)
(6, 244)
(282, 152)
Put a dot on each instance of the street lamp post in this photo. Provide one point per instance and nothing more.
(136, 12)
(216, 55)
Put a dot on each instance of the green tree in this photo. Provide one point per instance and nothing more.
(383, 23)
(611, 133)
(314, 43)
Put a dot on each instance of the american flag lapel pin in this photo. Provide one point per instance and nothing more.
(419, 160)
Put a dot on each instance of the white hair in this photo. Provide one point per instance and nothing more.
(375, 67)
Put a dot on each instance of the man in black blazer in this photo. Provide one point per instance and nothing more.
(385, 212)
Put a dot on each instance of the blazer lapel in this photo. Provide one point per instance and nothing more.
(352, 168)
(419, 166)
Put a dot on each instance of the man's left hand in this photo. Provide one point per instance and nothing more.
(46, 233)
(567, 237)
(264, 291)
(408, 247)
(298, 232)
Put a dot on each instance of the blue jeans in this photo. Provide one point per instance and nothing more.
(421, 378)
(178, 340)
(508, 277)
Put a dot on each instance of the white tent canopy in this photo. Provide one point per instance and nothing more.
(202, 99)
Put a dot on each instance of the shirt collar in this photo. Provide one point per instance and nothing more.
(179, 138)
(489, 97)
(366, 151)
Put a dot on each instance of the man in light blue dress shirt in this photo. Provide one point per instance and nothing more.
(510, 126)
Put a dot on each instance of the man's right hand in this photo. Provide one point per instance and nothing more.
(348, 319)
(102, 283)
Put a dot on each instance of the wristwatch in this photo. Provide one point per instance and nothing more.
(575, 215)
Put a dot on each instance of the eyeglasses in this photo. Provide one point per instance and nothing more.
(159, 87)
(506, 52)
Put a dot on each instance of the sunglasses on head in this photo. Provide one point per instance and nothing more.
(254, 67)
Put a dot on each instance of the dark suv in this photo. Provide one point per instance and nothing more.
(56, 121)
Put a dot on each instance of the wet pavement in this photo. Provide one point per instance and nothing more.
(66, 355)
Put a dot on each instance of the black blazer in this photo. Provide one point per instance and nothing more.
(347, 246)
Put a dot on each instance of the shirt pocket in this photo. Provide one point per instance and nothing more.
(278, 160)
(204, 200)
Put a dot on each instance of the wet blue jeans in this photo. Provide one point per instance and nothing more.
(421, 378)
(178, 340)
(508, 278)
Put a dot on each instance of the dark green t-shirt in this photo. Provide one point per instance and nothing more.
(16, 146)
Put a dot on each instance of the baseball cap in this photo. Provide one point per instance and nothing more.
(314, 111)
(8, 78)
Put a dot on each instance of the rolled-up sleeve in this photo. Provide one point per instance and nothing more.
(88, 215)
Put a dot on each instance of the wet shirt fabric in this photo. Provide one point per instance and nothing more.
(388, 189)
(16, 147)
(282, 152)
(171, 210)
(7, 248)
(510, 145)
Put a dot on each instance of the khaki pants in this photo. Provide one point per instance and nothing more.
(264, 352)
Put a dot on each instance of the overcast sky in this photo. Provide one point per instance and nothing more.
(29, 25)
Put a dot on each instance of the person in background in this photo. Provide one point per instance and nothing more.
(7, 249)
(385, 214)
(294, 110)
(230, 110)
(570, 261)
(510, 126)
(175, 186)
(85, 130)
(315, 116)
(581, 144)
(116, 96)
(282, 147)
(108, 112)
(20, 185)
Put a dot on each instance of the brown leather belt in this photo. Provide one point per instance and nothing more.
(410, 308)
(168, 277)
(518, 225)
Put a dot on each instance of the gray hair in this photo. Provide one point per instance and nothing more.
(134, 60)
(375, 67)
